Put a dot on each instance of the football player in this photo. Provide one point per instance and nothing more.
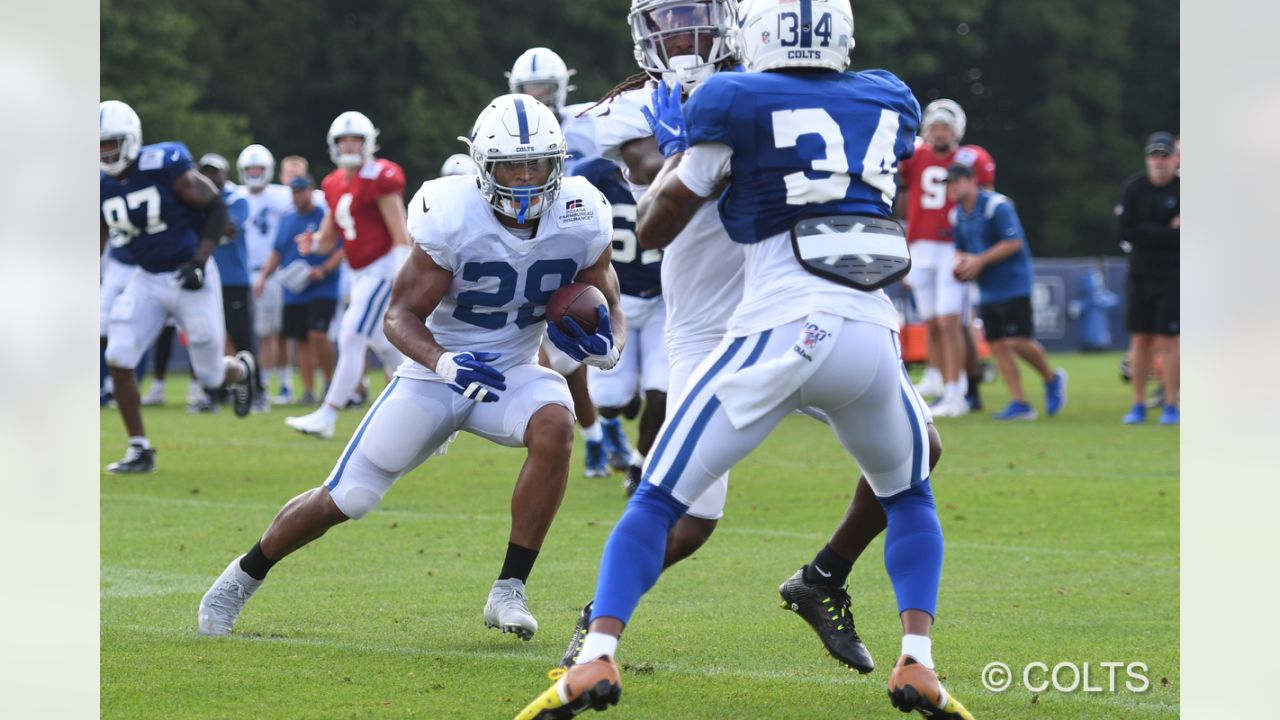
(939, 296)
(365, 198)
(468, 309)
(163, 218)
(807, 334)
(268, 202)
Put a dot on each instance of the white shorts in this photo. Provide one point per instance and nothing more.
(268, 310)
(370, 294)
(149, 300)
(115, 276)
(710, 504)
(412, 418)
(861, 386)
(936, 290)
(643, 365)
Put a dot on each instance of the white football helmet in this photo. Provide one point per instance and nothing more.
(352, 123)
(117, 121)
(775, 34)
(654, 23)
(518, 129)
(944, 111)
(255, 156)
(459, 164)
(541, 73)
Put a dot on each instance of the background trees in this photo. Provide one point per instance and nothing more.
(1062, 92)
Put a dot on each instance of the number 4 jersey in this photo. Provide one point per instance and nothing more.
(148, 225)
(501, 282)
(354, 203)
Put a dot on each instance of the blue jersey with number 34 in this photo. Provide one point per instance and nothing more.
(804, 143)
(148, 225)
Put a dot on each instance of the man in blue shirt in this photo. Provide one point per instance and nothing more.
(309, 300)
(991, 248)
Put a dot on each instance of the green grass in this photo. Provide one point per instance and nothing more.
(1062, 545)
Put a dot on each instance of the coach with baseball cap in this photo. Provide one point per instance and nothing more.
(1149, 216)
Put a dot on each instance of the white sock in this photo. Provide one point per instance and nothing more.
(157, 383)
(286, 380)
(593, 433)
(328, 413)
(267, 374)
(636, 458)
(919, 647)
(931, 375)
(141, 441)
(597, 645)
(951, 390)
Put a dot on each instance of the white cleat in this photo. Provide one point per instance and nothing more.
(154, 396)
(930, 386)
(951, 407)
(508, 609)
(220, 607)
(317, 423)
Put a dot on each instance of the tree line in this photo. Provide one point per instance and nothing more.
(1062, 92)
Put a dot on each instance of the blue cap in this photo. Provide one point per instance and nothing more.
(302, 182)
(1160, 142)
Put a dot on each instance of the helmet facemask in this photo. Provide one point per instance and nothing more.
(518, 137)
(681, 41)
(524, 199)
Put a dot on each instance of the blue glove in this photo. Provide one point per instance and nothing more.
(595, 350)
(470, 375)
(667, 120)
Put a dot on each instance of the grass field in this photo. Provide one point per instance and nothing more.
(1062, 545)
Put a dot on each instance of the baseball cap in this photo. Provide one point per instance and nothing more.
(214, 160)
(302, 182)
(958, 170)
(1160, 142)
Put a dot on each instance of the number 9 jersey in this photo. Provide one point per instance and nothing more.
(772, 119)
(354, 204)
(497, 301)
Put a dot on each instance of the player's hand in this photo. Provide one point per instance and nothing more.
(470, 375)
(968, 267)
(595, 350)
(316, 274)
(191, 275)
(667, 119)
(304, 241)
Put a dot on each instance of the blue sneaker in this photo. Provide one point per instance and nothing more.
(1136, 415)
(596, 465)
(615, 444)
(1171, 415)
(1016, 411)
(1055, 393)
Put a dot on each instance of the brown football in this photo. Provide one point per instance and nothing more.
(578, 301)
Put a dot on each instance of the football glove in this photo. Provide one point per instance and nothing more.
(470, 375)
(667, 120)
(191, 275)
(595, 350)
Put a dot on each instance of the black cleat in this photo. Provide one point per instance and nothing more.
(632, 482)
(137, 459)
(243, 392)
(579, 636)
(826, 609)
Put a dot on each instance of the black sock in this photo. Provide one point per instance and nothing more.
(827, 568)
(255, 563)
(519, 563)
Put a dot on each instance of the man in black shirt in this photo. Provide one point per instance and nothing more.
(1149, 212)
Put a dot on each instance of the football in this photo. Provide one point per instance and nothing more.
(578, 301)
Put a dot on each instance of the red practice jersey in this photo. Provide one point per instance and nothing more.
(354, 204)
(925, 177)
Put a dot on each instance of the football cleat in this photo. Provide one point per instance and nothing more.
(826, 609)
(317, 423)
(594, 685)
(950, 406)
(1016, 410)
(1055, 393)
(930, 386)
(596, 466)
(137, 459)
(202, 405)
(913, 686)
(632, 482)
(1170, 415)
(154, 396)
(615, 444)
(243, 394)
(220, 607)
(1136, 415)
(284, 398)
(579, 636)
(508, 609)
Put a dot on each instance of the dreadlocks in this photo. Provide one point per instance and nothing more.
(635, 81)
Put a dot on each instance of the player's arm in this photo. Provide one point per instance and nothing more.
(418, 288)
(644, 160)
(605, 278)
(391, 207)
(970, 266)
(329, 266)
(324, 239)
(198, 192)
(687, 181)
(268, 267)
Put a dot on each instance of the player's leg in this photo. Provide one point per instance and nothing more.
(971, 368)
(264, 328)
(401, 430)
(296, 329)
(199, 313)
(612, 390)
(534, 413)
(923, 284)
(654, 381)
(237, 310)
(137, 316)
(1169, 347)
(160, 358)
(1141, 322)
(595, 464)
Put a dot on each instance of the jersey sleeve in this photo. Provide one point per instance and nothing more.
(282, 236)
(707, 111)
(425, 231)
(1004, 220)
(621, 122)
(390, 179)
(984, 166)
(237, 209)
(177, 161)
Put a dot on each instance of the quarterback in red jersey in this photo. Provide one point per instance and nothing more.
(939, 297)
(367, 215)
